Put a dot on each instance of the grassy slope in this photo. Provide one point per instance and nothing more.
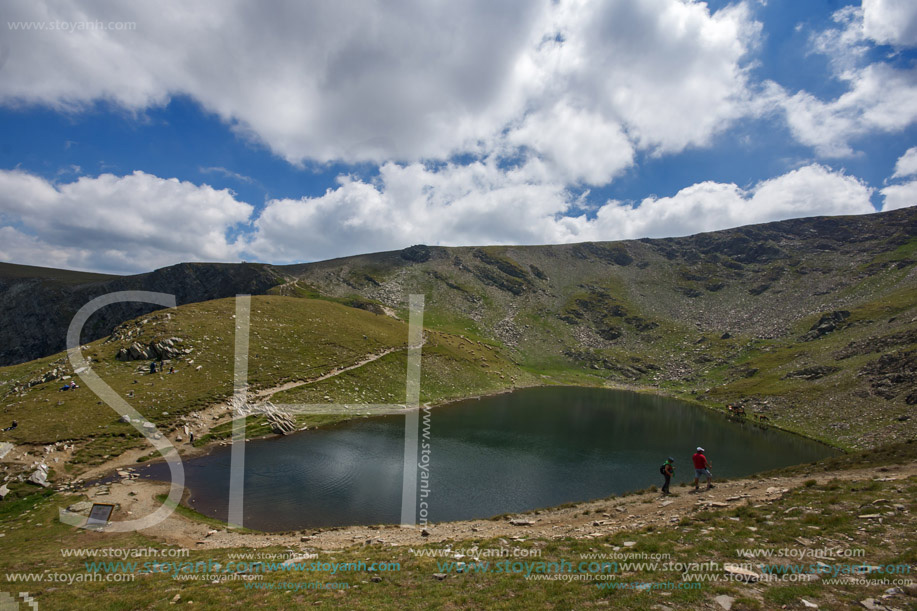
(290, 339)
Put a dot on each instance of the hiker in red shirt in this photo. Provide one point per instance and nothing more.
(701, 468)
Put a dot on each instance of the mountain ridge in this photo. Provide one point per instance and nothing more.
(808, 323)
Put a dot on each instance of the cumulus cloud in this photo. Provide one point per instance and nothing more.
(545, 98)
(665, 75)
(580, 145)
(477, 203)
(116, 223)
(845, 46)
(480, 204)
(317, 80)
(892, 22)
(812, 190)
(408, 80)
(900, 196)
(881, 98)
(139, 221)
(906, 164)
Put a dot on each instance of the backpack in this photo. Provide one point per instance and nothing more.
(662, 470)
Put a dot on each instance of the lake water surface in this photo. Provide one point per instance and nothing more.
(531, 448)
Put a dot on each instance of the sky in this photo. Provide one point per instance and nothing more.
(135, 135)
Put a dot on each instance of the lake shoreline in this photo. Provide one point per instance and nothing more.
(583, 520)
(187, 451)
(668, 426)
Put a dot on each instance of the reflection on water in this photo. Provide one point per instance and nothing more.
(531, 448)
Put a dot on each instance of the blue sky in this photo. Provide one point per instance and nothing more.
(137, 137)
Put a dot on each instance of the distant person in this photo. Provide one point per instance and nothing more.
(701, 469)
(667, 470)
(152, 367)
(171, 369)
(191, 437)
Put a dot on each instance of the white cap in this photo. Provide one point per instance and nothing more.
(700, 449)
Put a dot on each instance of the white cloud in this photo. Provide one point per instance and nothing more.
(892, 22)
(227, 174)
(581, 146)
(812, 190)
(845, 46)
(139, 221)
(900, 196)
(880, 99)
(480, 204)
(408, 80)
(906, 164)
(116, 223)
(669, 73)
(879, 96)
(456, 205)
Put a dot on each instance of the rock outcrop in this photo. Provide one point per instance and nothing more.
(156, 350)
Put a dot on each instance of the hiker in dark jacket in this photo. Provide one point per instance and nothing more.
(667, 470)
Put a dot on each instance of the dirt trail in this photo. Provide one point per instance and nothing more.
(200, 422)
(269, 392)
(604, 517)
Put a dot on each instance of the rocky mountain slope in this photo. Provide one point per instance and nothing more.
(38, 303)
(808, 324)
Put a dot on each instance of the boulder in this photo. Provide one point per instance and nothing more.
(163, 350)
(826, 324)
(40, 476)
(80, 506)
(138, 352)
